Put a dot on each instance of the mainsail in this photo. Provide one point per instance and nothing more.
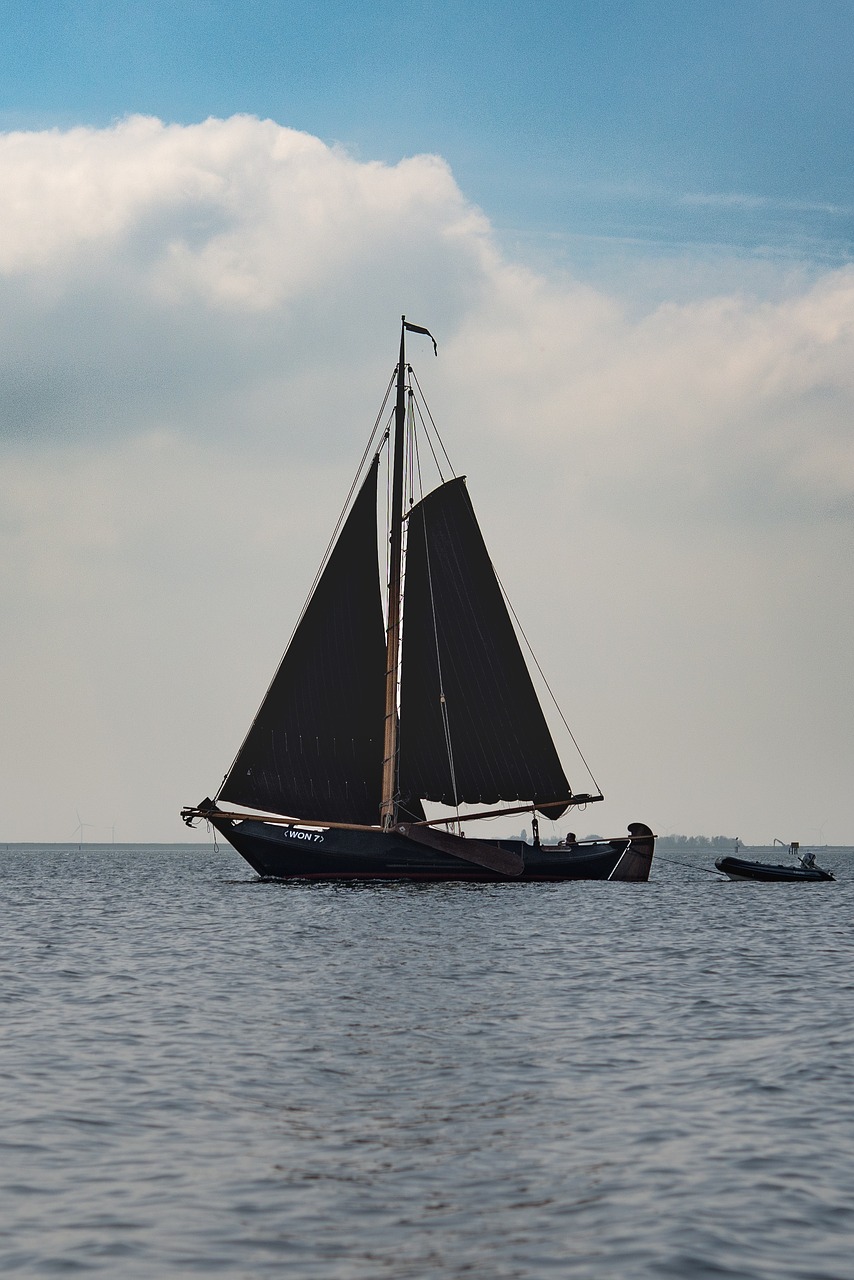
(315, 747)
(471, 726)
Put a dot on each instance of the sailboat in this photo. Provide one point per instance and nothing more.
(369, 716)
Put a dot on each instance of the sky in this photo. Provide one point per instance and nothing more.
(630, 227)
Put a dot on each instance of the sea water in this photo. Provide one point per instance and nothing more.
(203, 1074)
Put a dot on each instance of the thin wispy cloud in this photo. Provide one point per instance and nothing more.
(740, 200)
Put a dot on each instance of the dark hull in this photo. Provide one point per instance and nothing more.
(741, 869)
(312, 853)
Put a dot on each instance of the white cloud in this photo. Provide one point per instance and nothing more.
(158, 273)
(226, 199)
(196, 325)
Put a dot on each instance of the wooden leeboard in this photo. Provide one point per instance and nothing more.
(480, 852)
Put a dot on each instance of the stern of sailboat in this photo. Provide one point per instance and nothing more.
(636, 860)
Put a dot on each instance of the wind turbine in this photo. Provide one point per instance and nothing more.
(78, 830)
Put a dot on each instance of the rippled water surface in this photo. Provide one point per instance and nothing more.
(205, 1074)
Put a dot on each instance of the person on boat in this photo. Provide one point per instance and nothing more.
(808, 860)
(570, 841)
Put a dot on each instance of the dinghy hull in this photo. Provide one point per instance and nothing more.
(767, 873)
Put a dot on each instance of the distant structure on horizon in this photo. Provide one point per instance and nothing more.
(698, 842)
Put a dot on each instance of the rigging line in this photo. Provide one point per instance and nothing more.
(432, 423)
(410, 442)
(436, 461)
(446, 725)
(542, 674)
(546, 683)
(340, 520)
(662, 857)
(317, 576)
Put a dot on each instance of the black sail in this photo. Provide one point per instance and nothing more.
(315, 747)
(500, 743)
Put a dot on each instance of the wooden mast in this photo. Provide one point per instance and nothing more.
(388, 808)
